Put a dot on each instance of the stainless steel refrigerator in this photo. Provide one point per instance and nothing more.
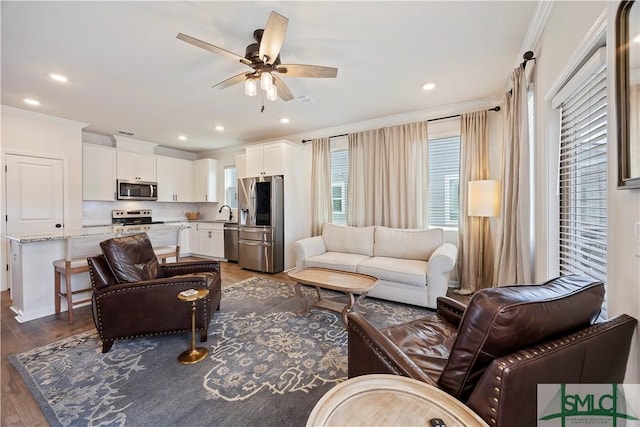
(261, 223)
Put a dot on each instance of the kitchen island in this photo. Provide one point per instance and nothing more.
(32, 256)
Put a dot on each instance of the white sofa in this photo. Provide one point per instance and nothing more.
(413, 265)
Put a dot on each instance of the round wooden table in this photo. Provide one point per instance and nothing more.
(341, 281)
(389, 400)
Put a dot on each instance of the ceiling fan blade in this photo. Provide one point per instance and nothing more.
(300, 70)
(283, 90)
(273, 37)
(231, 81)
(212, 48)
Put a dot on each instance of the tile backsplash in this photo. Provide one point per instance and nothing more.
(99, 213)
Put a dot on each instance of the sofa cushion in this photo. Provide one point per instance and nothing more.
(407, 243)
(336, 261)
(351, 240)
(501, 320)
(131, 258)
(408, 271)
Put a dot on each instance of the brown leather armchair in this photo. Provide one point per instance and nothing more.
(492, 353)
(135, 296)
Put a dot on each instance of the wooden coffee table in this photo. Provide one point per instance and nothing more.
(341, 281)
(389, 400)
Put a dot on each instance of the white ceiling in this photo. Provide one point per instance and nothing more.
(128, 71)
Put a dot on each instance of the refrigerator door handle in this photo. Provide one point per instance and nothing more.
(253, 243)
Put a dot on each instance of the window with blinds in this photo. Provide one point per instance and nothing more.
(230, 186)
(444, 181)
(583, 175)
(339, 179)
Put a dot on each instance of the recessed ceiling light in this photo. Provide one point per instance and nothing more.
(219, 128)
(58, 77)
(31, 101)
(182, 138)
(284, 120)
(428, 86)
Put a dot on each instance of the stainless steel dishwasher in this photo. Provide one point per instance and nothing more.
(231, 241)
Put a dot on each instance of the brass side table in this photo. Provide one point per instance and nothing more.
(193, 355)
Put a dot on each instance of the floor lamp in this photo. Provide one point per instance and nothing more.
(484, 202)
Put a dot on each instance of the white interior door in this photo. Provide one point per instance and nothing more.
(35, 195)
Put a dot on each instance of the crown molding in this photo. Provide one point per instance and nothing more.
(536, 27)
(40, 116)
(398, 119)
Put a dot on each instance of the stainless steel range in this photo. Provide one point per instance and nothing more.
(137, 217)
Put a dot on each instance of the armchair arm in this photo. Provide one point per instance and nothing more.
(305, 248)
(182, 268)
(441, 262)
(371, 352)
(148, 307)
(451, 310)
(594, 355)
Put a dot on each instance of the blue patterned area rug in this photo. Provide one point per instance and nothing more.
(267, 366)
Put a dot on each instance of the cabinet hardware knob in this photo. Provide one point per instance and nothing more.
(58, 225)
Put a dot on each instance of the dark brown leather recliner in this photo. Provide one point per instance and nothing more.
(492, 353)
(135, 296)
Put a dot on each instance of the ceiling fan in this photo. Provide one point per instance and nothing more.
(263, 57)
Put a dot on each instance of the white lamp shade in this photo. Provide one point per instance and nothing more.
(484, 198)
(272, 93)
(266, 81)
(250, 87)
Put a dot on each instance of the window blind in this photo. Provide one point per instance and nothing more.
(230, 186)
(583, 178)
(444, 181)
(339, 179)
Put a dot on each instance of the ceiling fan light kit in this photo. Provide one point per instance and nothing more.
(266, 81)
(272, 93)
(250, 87)
(264, 58)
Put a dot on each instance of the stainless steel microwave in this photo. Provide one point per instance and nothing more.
(137, 190)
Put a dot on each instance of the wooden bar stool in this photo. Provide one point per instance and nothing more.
(75, 262)
(166, 243)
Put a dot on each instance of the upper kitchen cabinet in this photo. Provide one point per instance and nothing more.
(204, 180)
(175, 179)
(264, 160)
(136, 166)
(98, 172)
(241, 166)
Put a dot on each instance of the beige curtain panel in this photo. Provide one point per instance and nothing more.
(387, 176)
(512, 263)
(475, 252)
(321, 210)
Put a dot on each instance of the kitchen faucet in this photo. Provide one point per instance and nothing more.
(230, 211)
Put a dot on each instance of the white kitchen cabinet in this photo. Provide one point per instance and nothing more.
(185, 239)
(210, 239)
(204, 180)
(98, 172)
(241, 166)
(175, 179)
(264, 160)
(136, 166)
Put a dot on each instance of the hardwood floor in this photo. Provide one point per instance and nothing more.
(18, 407)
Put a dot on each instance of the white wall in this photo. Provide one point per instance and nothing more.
(565, 35)
(27, 133)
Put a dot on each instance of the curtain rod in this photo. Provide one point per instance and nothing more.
(496, 108)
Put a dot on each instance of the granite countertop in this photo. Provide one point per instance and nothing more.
(96, 230)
